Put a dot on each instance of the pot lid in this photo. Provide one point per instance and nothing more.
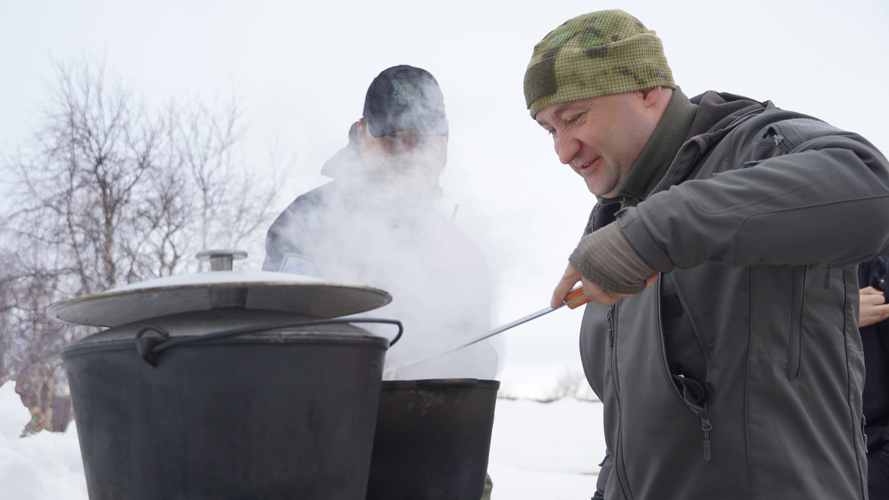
(219, 288)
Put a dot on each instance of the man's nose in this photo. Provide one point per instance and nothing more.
(567, 148)
(407, 143)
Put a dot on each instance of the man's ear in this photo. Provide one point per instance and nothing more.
(361, 130)
(650, 96)
(353, 133)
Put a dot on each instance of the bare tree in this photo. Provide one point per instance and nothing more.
(108, 192)
(206, 147)
(6, 307)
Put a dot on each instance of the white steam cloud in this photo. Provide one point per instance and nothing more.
(382, 229)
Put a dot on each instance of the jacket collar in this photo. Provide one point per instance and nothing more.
(658, 153)
(717, 114)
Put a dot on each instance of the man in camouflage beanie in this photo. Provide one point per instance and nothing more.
(738, 375)
(593, 55)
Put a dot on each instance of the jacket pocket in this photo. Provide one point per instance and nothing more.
(794, 344)
(684, 356)
(681, 341)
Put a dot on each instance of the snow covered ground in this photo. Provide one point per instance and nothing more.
(546, 450)
(45, 466)
(537, 451)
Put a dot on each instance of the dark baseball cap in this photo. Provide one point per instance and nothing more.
(405, 98)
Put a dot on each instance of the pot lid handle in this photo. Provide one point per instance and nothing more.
(221, 260)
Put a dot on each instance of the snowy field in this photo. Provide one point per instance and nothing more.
(46, 466)
(546, 450)
(537, 451)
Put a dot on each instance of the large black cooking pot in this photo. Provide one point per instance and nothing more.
(432, 439)
(244, 392)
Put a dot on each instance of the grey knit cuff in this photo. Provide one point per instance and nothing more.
(607, 259)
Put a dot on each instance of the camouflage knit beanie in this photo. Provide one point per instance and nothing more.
(596, 54)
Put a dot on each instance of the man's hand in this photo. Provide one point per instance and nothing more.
(595, 292)
(872, 306)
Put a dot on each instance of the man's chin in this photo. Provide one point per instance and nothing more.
(411, 180)
(599, 190)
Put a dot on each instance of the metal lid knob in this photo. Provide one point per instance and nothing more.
(221, 260)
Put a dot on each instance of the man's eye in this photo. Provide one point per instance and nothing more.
(551, 131)
(573, 120)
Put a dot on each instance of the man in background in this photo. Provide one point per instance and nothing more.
(377, 224)
(723, 342)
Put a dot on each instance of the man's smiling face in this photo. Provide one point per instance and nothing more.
(600, 138)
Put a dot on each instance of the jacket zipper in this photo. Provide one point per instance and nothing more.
(618, 458)
(706, 426)
(794, 347)
(700, 411)
(827, 268)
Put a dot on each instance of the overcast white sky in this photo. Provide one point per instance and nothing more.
(301, 70)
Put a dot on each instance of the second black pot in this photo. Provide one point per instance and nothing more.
(432, 439)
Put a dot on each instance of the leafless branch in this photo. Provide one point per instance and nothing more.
(108, 192)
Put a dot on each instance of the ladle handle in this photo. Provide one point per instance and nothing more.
(576, 298)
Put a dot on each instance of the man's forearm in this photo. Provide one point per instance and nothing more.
(606, 258)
